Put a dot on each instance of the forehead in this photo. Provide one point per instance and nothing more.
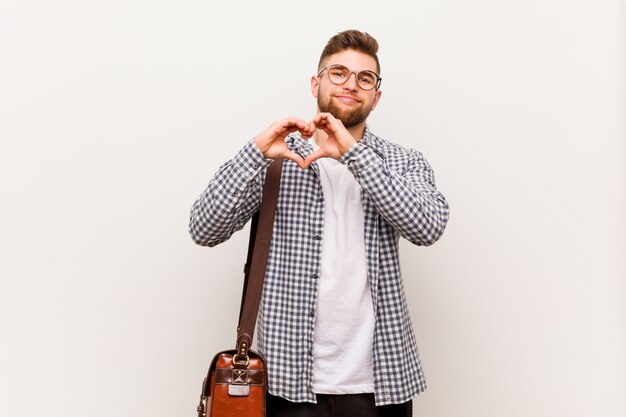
(355, 60)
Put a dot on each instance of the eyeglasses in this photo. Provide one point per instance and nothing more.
(338, 74)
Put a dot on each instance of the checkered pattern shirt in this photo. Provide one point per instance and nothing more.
(399, 199)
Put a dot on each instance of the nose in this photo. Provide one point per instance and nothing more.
(350, 84)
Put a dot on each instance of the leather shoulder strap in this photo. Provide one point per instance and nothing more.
(261, 234)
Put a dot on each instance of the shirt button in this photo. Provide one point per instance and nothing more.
(312, 313)
(317, 237)
(319, 200)
(314, 276)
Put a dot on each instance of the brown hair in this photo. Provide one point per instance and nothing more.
(351, 39)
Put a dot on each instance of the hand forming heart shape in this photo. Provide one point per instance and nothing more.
(271, 142)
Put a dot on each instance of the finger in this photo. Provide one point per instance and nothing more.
(277, 130)
(331, 120)
(322, 120)
(328, 117)
(318, 118)
(317, 123)
(295, 158)
(332, 126)
(308, 132)
(313, 156)
(303, 132)
(326, 126)
(295, 124)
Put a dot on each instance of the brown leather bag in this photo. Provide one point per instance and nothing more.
(236, 383)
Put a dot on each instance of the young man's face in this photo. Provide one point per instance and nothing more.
(348, 102)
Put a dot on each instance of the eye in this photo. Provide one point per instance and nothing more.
(367, 78)
(338, 71)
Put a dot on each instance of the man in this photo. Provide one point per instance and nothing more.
(333, 323)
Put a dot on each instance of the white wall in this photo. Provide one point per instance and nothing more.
(114, 116)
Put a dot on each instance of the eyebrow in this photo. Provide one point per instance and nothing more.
(345, 66)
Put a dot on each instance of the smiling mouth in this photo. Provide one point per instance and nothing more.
(347, 99)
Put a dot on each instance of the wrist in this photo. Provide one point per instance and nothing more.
(347, 148)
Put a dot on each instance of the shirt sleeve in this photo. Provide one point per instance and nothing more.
(409, 201)
(231, 198)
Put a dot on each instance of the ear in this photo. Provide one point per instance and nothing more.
(315, 83)
(376, 99)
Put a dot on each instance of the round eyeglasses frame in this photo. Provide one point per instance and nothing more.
(356, 75)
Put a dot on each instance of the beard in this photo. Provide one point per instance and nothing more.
(349, 118)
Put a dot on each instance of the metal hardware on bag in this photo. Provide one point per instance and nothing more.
(235, 359)
(202, 406)
(240, 376)
(239, 386)
(238, 390)
(200, 409)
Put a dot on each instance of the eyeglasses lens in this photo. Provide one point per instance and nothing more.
(339, 74)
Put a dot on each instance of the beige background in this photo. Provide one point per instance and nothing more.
(115, 115)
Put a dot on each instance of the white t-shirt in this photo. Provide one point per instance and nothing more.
(344, 321)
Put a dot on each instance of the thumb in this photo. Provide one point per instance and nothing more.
(313, 156)
(291, 155)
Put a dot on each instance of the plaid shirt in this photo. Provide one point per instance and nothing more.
(399, 199)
